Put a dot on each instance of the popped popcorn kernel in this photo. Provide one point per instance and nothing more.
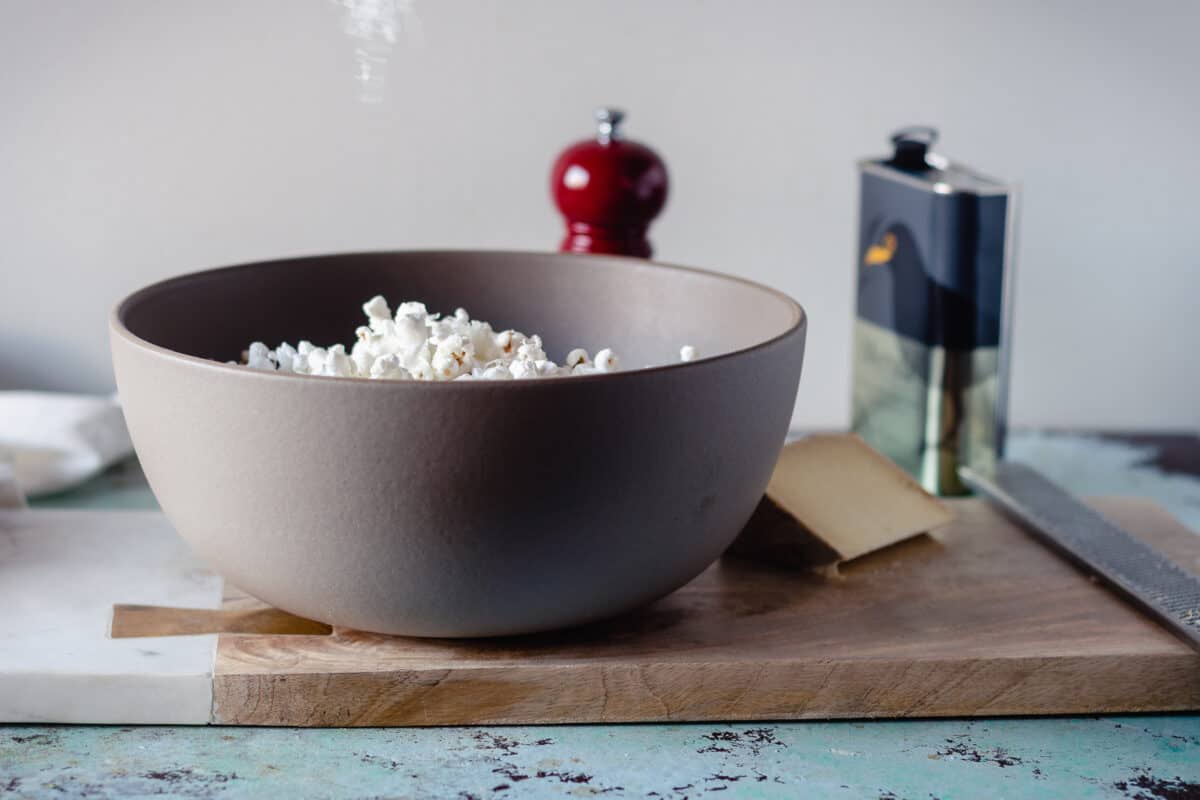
(414, 344)
(413, 309)
(362, 357)
(607, 361)
(576, 357)
(259, 357)
(531, 349)
(523, 368)
(337, 363)
(387, 368)
(453, 357)
(316, 360)
(286, 357)
(504, 342)
(377, 308)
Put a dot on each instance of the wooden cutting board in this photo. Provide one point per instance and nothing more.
(977, 619)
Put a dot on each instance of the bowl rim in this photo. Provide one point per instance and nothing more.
(118, 328)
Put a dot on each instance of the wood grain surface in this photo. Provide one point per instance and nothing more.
(976, 619)
(132, 621)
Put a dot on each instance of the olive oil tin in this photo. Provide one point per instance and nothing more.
(931, 336)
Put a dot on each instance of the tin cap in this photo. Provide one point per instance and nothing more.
(914, 162)
(912, 144)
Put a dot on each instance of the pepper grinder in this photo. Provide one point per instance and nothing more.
(608, 189)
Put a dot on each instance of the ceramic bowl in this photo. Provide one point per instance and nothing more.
(470, 508)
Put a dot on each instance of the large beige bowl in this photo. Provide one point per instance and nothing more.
(464, 508)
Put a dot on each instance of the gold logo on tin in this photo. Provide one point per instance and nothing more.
(881, 253)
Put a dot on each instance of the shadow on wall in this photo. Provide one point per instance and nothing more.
(46, 364)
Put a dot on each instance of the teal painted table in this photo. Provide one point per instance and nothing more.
(1113, 757)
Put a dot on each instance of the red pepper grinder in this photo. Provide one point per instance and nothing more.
(608, 189)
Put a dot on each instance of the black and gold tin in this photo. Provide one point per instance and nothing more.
(931, 335)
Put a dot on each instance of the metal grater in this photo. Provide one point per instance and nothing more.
(1126, 563)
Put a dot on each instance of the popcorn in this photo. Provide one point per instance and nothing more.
(286, 357)
(576, 357)
(388, 368)
(531, 349)
(523, 368)
(453, 357)
(504, 343)
(364, 360)
(411, 309)
(259, 357)
(316, 360)
(607, 361)
(337, 363)
(414, 344)
(377, 308)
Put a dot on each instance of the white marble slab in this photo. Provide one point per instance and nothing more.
(60, 574)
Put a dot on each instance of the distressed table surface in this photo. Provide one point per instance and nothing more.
(1135, 757)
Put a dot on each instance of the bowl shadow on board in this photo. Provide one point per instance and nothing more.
(733, 600)
(725, 604)
(728, 590)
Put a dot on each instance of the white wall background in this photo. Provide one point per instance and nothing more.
(144, 139)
